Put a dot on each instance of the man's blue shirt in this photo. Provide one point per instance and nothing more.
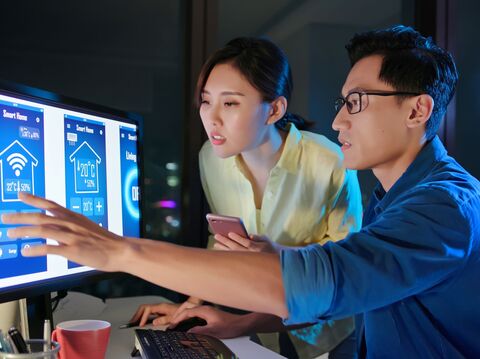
(411, 275)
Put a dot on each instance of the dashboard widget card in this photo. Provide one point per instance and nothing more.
(22, 169)
(85, 169)
(130, 188)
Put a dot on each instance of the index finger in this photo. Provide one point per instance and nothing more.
(145, 316)
(136, 316)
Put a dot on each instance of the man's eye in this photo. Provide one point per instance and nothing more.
(353, 103)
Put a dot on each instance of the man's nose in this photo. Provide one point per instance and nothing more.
(341, 121)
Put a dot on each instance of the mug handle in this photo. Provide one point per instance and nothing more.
(54, 338)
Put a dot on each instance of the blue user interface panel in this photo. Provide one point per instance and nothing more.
(85, 169)
(84, 160)
(130, 189)
(22, 168)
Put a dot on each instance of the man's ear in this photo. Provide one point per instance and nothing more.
(278, 107)
(421, 108)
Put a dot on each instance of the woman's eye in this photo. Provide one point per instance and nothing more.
(204, 102)
(230, 104)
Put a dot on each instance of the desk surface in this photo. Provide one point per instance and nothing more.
(117, 311)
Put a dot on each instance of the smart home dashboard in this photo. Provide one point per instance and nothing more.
(85, 162)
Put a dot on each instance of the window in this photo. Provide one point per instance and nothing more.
(120, 54)
(313, 35)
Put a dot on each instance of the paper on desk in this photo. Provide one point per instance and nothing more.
(78, 306)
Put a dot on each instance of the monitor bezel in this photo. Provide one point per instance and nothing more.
(50, 98)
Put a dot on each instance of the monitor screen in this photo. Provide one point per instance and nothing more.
(82, 156)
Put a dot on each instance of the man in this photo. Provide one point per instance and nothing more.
(410, 275)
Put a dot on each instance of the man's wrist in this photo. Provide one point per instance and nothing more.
(128, 253)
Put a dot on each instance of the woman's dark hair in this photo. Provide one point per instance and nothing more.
(411, 63)
(264, 65)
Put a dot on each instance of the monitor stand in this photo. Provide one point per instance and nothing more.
(38, 309)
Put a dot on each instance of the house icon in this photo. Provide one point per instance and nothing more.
(85, 167)
(16, 171)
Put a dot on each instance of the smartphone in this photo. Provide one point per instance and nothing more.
(226, 224)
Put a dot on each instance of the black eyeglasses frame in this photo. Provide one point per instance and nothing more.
(341, 101)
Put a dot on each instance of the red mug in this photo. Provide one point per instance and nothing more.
(81, 339)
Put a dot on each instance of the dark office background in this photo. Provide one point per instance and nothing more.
(144, 56)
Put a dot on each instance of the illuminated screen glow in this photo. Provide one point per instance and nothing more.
(87, 163)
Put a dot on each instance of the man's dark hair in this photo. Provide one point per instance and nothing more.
(411, 63)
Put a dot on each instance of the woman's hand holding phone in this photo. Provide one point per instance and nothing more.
(254, 243)
(231, 235)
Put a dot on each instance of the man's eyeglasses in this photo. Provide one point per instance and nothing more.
(357, 101)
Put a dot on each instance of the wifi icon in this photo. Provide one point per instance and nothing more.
(17, 161)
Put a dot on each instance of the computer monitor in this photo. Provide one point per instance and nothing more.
(83, 156)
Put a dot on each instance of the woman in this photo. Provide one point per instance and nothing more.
(258, 165)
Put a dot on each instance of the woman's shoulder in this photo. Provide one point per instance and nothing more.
(206, 150)
(206, 155)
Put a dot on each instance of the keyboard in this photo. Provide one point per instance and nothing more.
(159, 344)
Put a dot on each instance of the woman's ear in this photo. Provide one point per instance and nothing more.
(420, 111)
(278, 107)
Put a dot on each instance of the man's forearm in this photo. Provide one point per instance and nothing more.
(250, 281)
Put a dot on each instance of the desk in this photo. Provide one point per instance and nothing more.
(118, 310)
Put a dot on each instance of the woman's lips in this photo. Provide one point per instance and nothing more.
(217, 139)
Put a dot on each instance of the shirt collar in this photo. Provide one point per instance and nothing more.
(290, 155)
(429, 155)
